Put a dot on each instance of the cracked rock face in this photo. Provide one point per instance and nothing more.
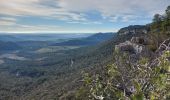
(133, 29)
(131, 47)
(135, 48)
(141, 40)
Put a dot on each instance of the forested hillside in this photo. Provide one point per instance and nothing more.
(91, 40)
(8, 46)
(132, 64)
(28, 72)
(140, 69)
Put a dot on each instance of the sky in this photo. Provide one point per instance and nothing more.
(76, 16)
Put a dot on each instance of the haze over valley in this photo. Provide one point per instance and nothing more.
(84, 50)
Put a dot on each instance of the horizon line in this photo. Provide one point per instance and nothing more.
(53, 32)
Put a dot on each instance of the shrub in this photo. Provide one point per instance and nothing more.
(125, 80)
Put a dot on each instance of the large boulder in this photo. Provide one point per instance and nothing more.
(134, 49)
(140, 40)
(131, 47)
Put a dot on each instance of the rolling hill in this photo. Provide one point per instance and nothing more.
(90, 40)
(40, 37)
(57, 72)
(9, 46)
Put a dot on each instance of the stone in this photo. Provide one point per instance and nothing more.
(130, 47)
(133, 29)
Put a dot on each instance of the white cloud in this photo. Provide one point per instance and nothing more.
(110, 8)
(7, 21)
(29, 28)
(75, 11)
(86, 22)
(63, 9)
(36, 8)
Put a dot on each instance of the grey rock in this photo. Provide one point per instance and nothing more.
(141, 40)
(134, 49)
(133, 29)
(131, 47)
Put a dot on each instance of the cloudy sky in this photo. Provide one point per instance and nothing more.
(60, 16)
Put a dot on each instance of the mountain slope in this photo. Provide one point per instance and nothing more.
(91, 40)
(59, 73)
(40, 37)
(8, 46)
(67, 77)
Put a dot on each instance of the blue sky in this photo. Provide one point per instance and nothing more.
(80, 16)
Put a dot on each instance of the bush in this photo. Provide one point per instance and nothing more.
(125, 80)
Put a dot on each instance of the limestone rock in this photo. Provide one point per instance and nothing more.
(140, 40)
(133, 29)
(131, 47)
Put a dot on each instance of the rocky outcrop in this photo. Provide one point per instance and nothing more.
(136, 48)
(129, 47)
(133, 29)
(141, 40)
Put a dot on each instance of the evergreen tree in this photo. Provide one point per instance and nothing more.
(157, 18)
(168, 12)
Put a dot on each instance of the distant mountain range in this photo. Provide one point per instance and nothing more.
(40, 37)
(8, 46)
(90, 40)
(51, 71)
(12, 42)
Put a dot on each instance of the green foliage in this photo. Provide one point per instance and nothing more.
(157, 22)
(161, 23)
(82, 94)
(157, 18)
(142, 80)
(168, 12)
